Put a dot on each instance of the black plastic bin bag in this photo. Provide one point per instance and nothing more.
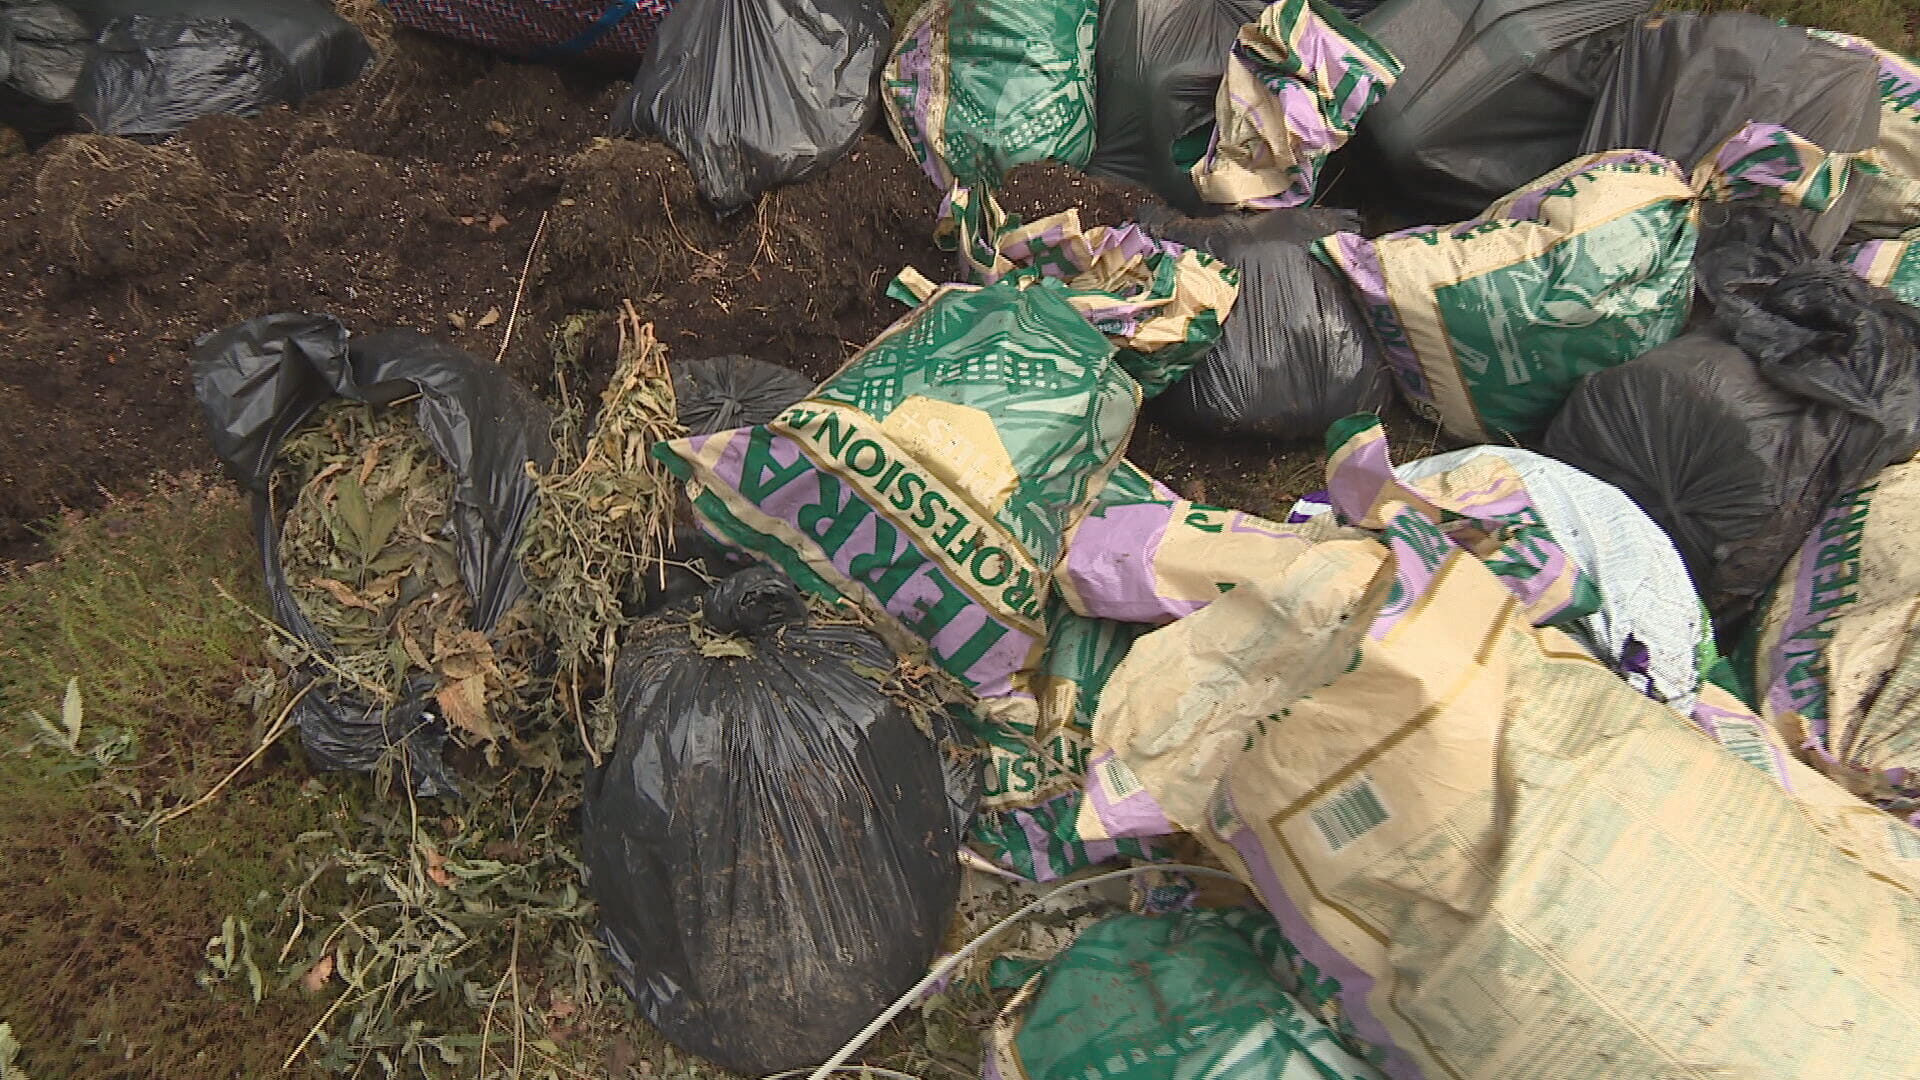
(1158, 65)
(725, 392)
(1685, 82)
(1804, 384)
(258, 382)
(771, 842)
(758, 93)
(1296, 354)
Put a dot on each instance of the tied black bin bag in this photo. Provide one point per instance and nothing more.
(1685, 82)
(151, 77)
(771, 843)
(1296, 355)
(1805, 383)
(258, 382)
(758, 93)
(725, 392)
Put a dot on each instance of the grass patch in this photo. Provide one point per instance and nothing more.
(1891, 24)
(104, 925)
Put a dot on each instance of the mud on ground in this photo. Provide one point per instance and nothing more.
(414, 198)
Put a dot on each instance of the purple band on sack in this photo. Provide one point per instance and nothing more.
(1135, 814)
(1356, 986)
(997, 648)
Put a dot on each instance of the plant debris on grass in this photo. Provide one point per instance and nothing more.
(369, 555)
(601, 521)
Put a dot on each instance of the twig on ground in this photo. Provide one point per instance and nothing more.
(280, 727)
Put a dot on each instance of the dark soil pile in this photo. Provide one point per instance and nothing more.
(433, 194)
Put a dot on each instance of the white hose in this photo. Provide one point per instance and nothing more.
(945, 967)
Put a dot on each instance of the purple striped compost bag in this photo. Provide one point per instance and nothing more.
(936, 475)
(976, 87)
(1297, 81)
(935, 479)
(1890, 170)
(1894, 265)
(1489, 324)
(1479, 842)
(1650, 626)
(1837, 653)
(1162, 303)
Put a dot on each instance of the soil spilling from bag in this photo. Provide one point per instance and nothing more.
(433, 194)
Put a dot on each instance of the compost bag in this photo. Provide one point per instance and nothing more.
(1894, 265)
(1479, 841)
(1298, 79)
(1734, 436)
(1196, 993)
(770, 843)
(1836, 654)
(1297, 354)
(759, 93)
(1159, 65)
(258, 382)
(1684, 83)
(1490, 323)
(975, 87)
(1493, 93)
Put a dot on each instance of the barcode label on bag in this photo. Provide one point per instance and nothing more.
(1118, 779)
(1350, 814)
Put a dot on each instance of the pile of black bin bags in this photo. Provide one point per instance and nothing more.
(145, 68)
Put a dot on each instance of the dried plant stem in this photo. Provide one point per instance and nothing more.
(279, 727)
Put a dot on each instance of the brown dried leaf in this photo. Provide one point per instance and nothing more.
(496, 222)
(492, 316)
(436, 866)
(343, 595)
(463, 702)
(458, 320)
(499, 128)
(316, 977)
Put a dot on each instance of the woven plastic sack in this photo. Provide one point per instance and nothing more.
(1207, 993)
(606, 32)
(976, 87)
(1298, 80)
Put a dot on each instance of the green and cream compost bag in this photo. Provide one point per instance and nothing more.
(1502, 863)
(1837, 654)
(935, 477)
(1489, 324)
